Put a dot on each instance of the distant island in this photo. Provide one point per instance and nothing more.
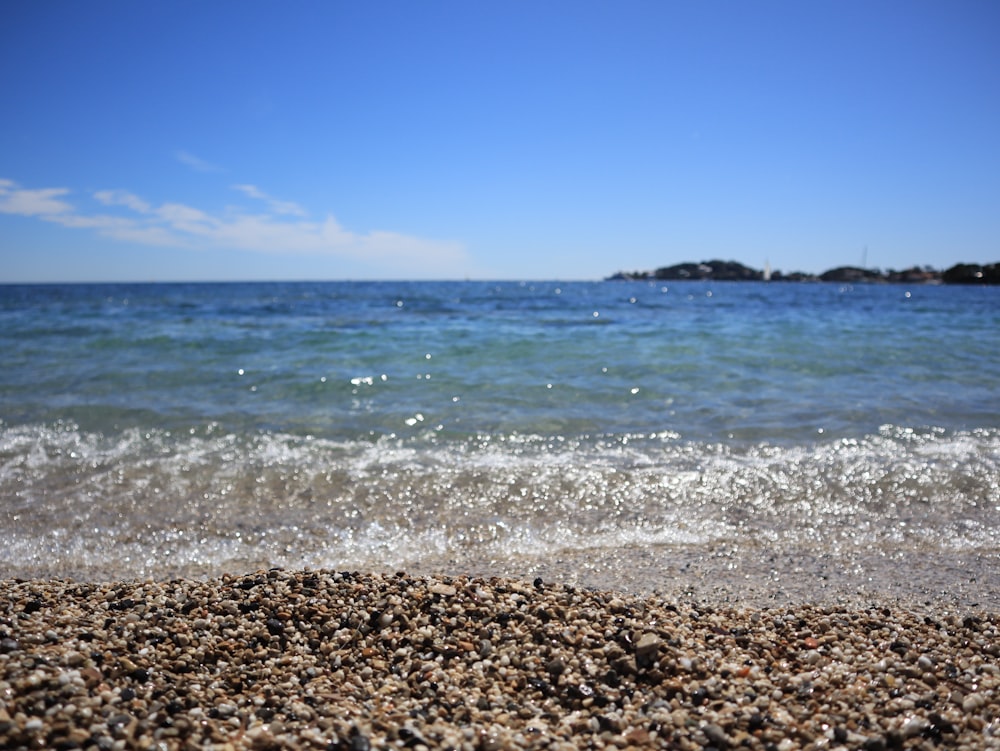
(732, 271)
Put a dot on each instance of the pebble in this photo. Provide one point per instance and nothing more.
(346, 660)
(972, 702)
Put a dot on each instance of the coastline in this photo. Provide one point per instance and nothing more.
(727, 575)
(338, 660)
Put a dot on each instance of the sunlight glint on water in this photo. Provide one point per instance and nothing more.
(202, 428)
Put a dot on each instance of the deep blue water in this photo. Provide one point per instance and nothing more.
(199, 427)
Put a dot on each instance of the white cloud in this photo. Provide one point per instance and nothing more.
(186, 219)
(16, 200)
(122, 198)
(251, 190)
(98, 221)
(278, 207)
(196, 163)
(118, 228)
(286, 230)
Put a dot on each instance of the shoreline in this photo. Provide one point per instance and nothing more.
(727, 576)
(340, 660)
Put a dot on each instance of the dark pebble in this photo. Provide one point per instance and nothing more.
(358, 741)
(139, 675)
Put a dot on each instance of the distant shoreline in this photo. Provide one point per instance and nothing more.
(733, 271)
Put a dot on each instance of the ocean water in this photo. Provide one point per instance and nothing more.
(756, 438)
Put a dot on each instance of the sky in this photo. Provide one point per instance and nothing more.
(176, 141)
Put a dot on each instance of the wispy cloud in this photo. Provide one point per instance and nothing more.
(122, 198)
(278, 207)
(41, 202)
(284, 229)
(196, 163)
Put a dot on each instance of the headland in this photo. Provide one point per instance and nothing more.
(733, 271)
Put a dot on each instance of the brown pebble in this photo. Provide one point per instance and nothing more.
(284, 659)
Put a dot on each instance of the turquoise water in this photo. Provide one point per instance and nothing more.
(198, 428)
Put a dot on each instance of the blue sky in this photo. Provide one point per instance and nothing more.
(517, 140)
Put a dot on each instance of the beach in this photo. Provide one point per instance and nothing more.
(342, 660)
(637, 514)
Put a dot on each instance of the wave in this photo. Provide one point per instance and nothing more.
(203, 500)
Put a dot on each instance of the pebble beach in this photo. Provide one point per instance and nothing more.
(340, 660)
(678, 515)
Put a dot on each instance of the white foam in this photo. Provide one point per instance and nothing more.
(154, 501)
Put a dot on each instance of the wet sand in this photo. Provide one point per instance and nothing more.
(337, 660)
(926, 582)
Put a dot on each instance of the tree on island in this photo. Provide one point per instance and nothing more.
(733, 271)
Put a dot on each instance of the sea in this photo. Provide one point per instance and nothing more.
(742, 442)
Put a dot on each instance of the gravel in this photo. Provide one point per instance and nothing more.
(341, 660)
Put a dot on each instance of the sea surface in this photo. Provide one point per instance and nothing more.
(744, 440)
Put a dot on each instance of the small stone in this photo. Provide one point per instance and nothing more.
(139, 675)
(8, 645)
(91, 676)
(74, 659)
(972, 702)
(476, 664)
(913, 727)
(637, 737)
(358, 741)
(716, 735)
(648, 644)
(646, 650)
